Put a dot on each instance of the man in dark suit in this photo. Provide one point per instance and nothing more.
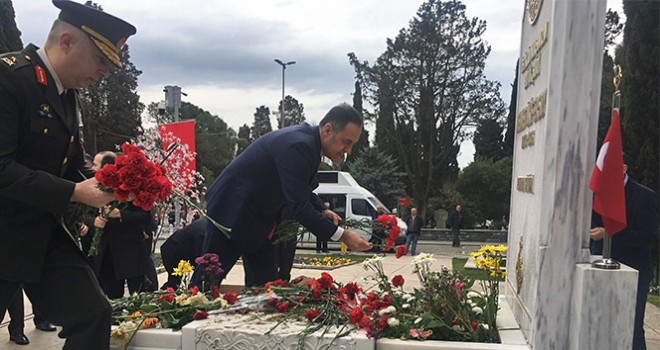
(415, 224)
(632, 246)
(184, 244)
(275, 171)
(455, 223)
(40, 159)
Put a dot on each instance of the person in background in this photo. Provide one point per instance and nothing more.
(455, 223)
(415, 224)
(183, 244)
(277, 170)
(322, 244)
(41, 159)
(632, 246)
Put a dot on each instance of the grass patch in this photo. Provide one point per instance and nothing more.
(353, 257)
(458, 265)
(654, 299)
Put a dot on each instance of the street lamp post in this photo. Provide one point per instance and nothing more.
(281, 122)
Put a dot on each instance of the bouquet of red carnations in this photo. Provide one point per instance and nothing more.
(131, 177)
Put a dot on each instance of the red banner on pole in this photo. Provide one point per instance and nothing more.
(404, 201)
(185, 131)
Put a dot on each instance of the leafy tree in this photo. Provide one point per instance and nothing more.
(428, 86)
(261, 125)
(363, 141)
(641, 89)
(243, 138)
(510, 135)
(215, 142)
(379, 173)
(112, 108)
(294, 112)
(488, 143)
(485, 189)
(612, 28)
(10, 36)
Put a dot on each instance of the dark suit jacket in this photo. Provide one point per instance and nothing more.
(276, 170)
(40, 152)
(417, 227)
(184, 244)
(632, 246)
(123, 239)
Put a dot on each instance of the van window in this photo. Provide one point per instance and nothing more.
(337, 203)
(362, 207)
(328, 178)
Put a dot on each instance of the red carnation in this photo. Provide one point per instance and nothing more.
(398, 281)
(400, 251)
(200, 315)
(356, 315)
(325, 280)
(312, 314)
(283, 306)
(231, 297)
(474, 325)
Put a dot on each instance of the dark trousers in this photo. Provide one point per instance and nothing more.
(16, 310)
(259, 265)
(69, 296)
(112, 285)
(285, 252)
(321, 245)
(151, 278)
(456, 242)
(643, 282)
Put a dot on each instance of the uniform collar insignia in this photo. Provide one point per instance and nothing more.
(41, 75)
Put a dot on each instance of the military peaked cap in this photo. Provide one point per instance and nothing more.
(108, 32)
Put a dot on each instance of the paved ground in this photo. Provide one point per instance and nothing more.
(443, 251)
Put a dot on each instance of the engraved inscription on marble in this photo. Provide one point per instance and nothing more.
(534, 49)
(533, 71)
(525, 183)
(528, 139)
(533, 112)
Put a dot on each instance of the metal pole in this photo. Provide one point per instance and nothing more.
(282, 103)
(278, 61)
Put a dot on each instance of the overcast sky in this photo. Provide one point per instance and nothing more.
(221, 52)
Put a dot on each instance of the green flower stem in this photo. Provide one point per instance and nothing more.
(225, 230)
(94, 249)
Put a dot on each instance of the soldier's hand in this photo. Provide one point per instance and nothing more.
(99, 222)
(329, 214)
(83, 230)
(354, 241)
(87, 192)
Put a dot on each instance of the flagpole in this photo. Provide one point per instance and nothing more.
(607, 262)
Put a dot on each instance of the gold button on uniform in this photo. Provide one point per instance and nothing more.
(66, 160)
(45, 130)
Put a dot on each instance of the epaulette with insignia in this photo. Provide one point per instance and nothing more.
(15, 60)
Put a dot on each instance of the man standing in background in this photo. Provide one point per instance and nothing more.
(455, 223)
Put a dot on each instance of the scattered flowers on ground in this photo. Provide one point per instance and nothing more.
(327, 261)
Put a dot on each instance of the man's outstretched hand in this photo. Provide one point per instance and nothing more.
(354, 241)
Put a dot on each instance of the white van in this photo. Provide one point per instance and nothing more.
(349, 200)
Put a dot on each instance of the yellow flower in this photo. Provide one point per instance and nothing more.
(183, 268)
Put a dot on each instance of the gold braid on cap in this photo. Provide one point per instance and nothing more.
(108, 48)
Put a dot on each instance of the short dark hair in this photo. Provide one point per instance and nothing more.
(340, 115)
(627, 160)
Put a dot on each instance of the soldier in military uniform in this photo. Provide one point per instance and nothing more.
(40, 159)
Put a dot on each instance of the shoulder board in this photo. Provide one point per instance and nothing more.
(15, 60)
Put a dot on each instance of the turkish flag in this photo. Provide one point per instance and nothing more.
(607, 179)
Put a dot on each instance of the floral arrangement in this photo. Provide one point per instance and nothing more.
(327, 261)
(391, 227)
(131, 177)
(169, 308)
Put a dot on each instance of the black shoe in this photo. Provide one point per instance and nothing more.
(45, 326)
(19, 339)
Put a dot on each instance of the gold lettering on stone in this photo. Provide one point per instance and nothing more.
(535, 48)
(533, 112)
(528, 139)
(525, 183)
(533, 72)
